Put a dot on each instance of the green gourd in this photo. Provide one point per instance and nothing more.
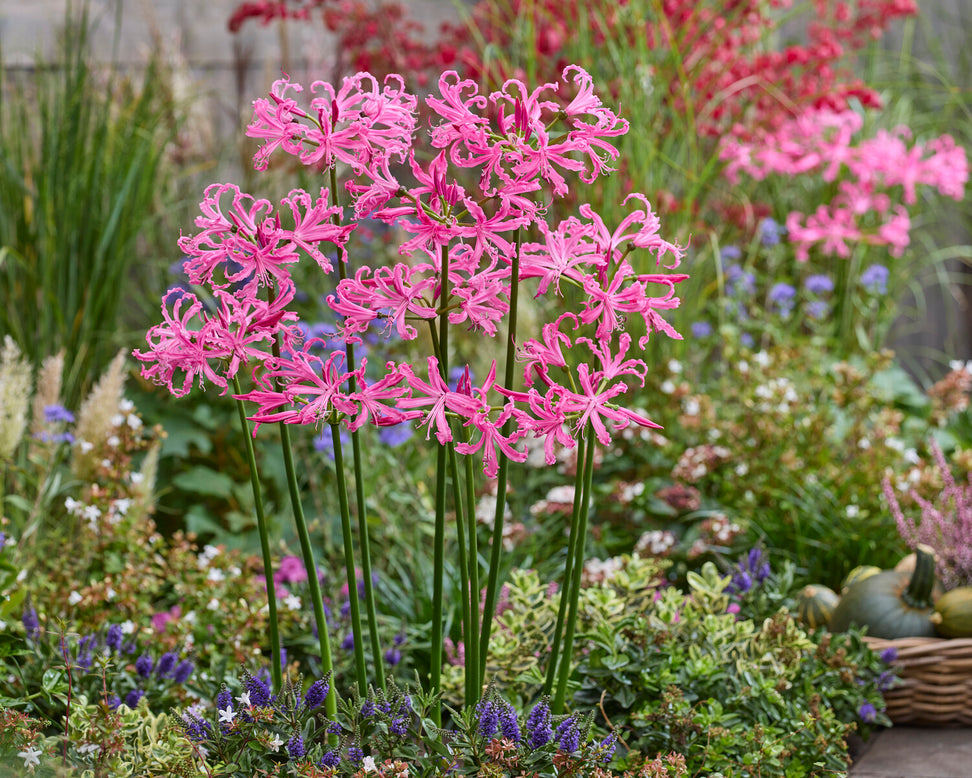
(953, 613)
(892, 604)
(859, 573)
(815, 604)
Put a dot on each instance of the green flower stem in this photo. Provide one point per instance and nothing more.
(467, 633)
(568, 572)
(565, 660)
(307, 553)
(363, 538)
(502, 474)
(438, 555)
(262, 530)
(342, 489)
(472, 645)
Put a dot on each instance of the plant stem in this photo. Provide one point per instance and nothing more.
(438, 555)
(504, 466)
(342, 488)
(473, 664)
(359, 494)
(467, 633)
(568, 572)
(263, 531)
(307, 553)
(565, 658)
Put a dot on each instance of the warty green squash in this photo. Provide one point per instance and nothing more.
(892, 604)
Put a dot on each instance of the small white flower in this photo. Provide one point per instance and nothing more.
(74, 598)
(667, 387)
(743, 367)
(213, 604)
(73, 506)
(128, 627)
(91, 512)
(691, 406)
(761, 358)
(113, 441)
(674, 366)
(85, 446)
(216, 575)
(853, 511)
(133, 421)
(30, 756)
(227, 716)
(106, 464)
(136, 478)
(117, 420)
(292, 602)
(911, 456)
(864, 444)
(244, 699)
(190, 617)
(742, 469)
(126, 406)
(274, 745)
(369, 765)
(89, 748)
(110, 593)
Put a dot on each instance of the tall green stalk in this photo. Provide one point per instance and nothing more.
(578, 565)
(363, 535)
(502, 474)
(307, 554)
(467, 634)
(568, 572)
(441, 462)
(359, 660)
(262, 530)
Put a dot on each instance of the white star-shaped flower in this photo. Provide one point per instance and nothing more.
(30, 756)
(369, 765)
(244, 699)
(227, 716)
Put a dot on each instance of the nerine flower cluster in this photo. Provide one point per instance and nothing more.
(877, 178)
(494, 160)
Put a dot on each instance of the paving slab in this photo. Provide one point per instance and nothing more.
(916, 752)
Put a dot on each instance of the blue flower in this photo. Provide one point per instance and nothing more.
(875, 279)
(770, 231)
(509, 725)
(399, 726)
(57, 413)
(330, 759)
(196, 729)
(368, 709)
(316, 694)
(166, 664)
(132, 698)
(867, 712)
(260, 693)
(889, 655)
(183, 670)
(730, 253)
(144, 665)
(113, 638)
(393, 656)
(817, 309)
(568, 736)
(739, 280)
(295, 748)
(395, 435)
(487, 719)
(701, 329)
(539, 731)
(819, 284)
(31, 623)
(355, 755)
(782, 295)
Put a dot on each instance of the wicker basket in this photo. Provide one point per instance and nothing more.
(937, 681)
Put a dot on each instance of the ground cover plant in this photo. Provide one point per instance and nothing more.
(548, 583)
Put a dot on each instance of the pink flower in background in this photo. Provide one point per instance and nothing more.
(291, 570)
(159, 620)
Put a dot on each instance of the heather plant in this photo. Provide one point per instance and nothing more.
(469, 254)
(945, 523)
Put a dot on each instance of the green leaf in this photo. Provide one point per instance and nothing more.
(19, 502)
(51, 680)
(202, 480)
(182, 434)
